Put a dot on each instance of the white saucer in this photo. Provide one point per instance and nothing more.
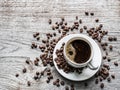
(86, 73)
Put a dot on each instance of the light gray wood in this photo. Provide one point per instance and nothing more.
(19, 19)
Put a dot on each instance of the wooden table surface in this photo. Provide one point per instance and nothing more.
(19, 19)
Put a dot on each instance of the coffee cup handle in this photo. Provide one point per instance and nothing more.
(91, 66)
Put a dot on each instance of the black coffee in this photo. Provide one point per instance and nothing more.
(79, 51)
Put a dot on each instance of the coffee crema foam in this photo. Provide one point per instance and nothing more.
(78, 51)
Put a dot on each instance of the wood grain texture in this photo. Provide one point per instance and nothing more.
(19, 19)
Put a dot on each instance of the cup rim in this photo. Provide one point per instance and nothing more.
(68, 59)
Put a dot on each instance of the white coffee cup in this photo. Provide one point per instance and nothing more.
(73, 63)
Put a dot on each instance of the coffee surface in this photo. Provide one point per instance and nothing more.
(78, 51)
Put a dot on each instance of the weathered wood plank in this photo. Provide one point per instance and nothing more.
(19, 19)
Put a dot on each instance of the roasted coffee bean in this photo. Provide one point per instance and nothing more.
(109, 79)
(42, 73)
(96, 81)
(51, 76)
(110, 38)
(115, 63)
(96, 20)
(80, 21)
(28, 83)
(102, 85)
(115, 39)
(104, 57)
(85, 84)
(113, 76)
(62, 83)
(47, 80)
(24, 70)
(48, 73)
(72, 85)
(35, 77)
(108, 59)
(111, 47)
(17, 75)
(76, 17)
(54, 34)
(50, 21)
(57, 84)
(36, 62)
(81, 30)
(92, 14)
(27, 61)
(66, 88)
(54, 83)
(62, 18)
(37, 73)
(38, 38)
(100, 79)
(85, 27)
(86, 13)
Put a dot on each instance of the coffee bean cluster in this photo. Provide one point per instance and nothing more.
(60, 29)
(62, 64)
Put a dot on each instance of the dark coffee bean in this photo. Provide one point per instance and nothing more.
(96, 20)
(43, 41)
(110, 38)
(36, 62)
(37, 73)
(66, 88)
(81, 30)
(96, 81)
(104, 57)
(48, 81)
(35, 77)
(100, 79)
(51, 76)
(109, 79)
(37, 33)
(54, 83)
(54, 34)
(62, 18)
(108, 59)
(85, 27)
(111, 47)
(115, 39)
(102, 85)
(85, 84)
(34, 35)
(57, 80)
(62, 83)
(50, 21)
(48, 73)
(24, 70)
(101, 25)
(37, 59)
(104, 48)
(57, 84)
(80, 21)
(113, 76)
(53, 27)
(86, 13)
(72, 85)
(42, 73)
(28, 83)
(92, 14)
(76, 17)
(115, 63)
(27, 61)
(17, 75)
(38, 38)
